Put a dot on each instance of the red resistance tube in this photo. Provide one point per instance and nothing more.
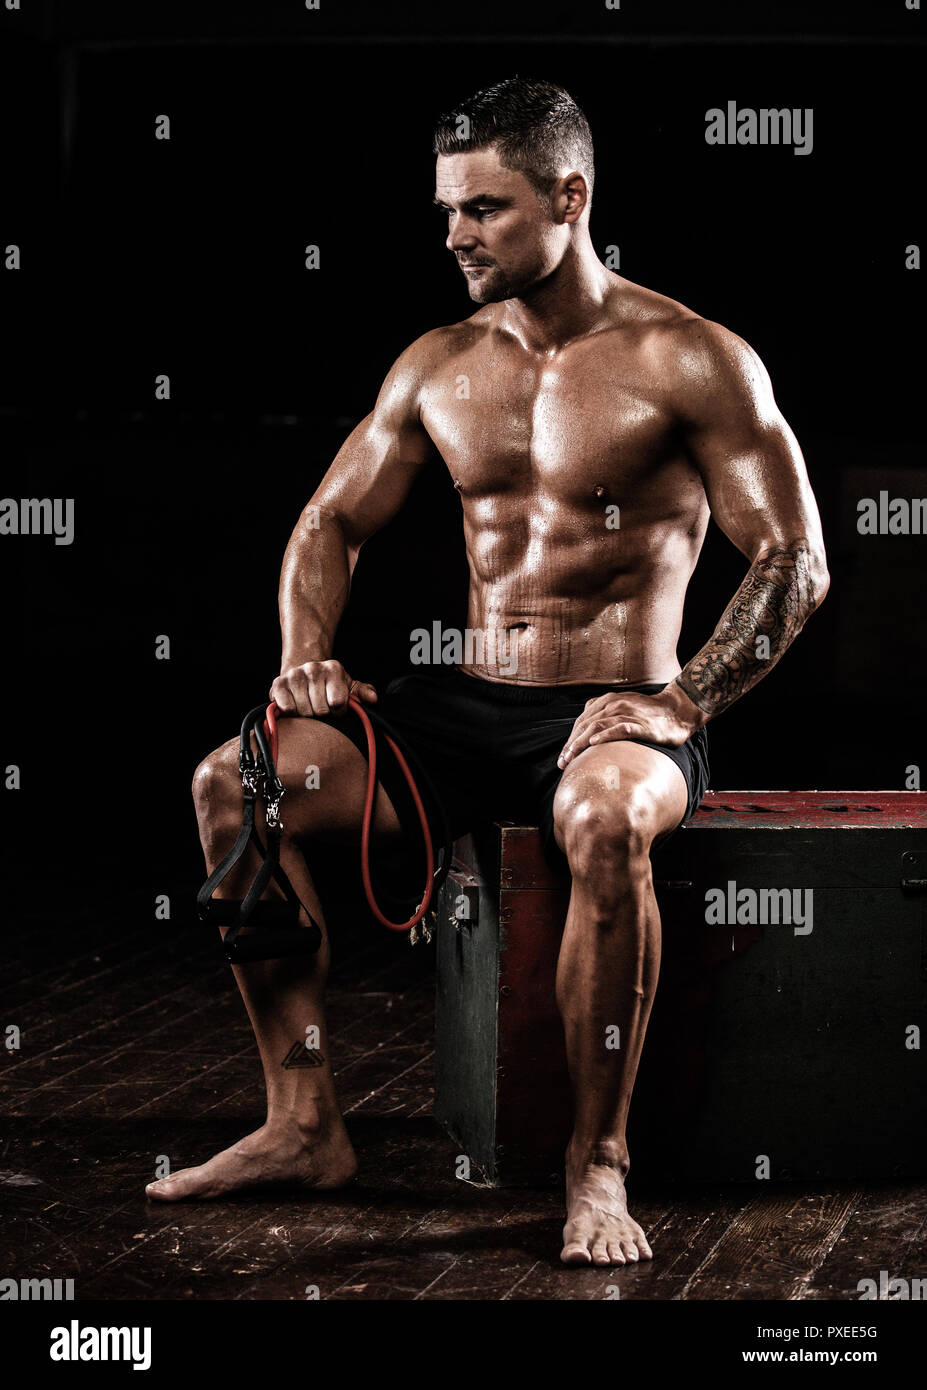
(270, 729)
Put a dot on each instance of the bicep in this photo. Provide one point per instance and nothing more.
(748, 458)
(373, 471)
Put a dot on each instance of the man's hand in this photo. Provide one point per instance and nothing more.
(318, 687)
(669, 717)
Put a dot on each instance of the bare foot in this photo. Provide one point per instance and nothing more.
(598, 1229)
(275, 1157)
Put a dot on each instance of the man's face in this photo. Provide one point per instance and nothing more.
(504, 239)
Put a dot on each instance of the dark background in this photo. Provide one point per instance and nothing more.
(187, 257)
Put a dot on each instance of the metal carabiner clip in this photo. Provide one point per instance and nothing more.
(273, 808)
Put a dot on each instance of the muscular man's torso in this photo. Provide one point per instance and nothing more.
(583, 516)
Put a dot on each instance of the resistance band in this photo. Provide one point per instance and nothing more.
(278, 931)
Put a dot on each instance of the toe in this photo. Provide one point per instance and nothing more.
(575, 1253)
(177, 1186)
(164, 1190)
(615, 1253)
(643, 1246)
(630, 1251)
(600, 1254)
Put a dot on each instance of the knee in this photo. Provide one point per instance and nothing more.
(217, 788)
(606, 837)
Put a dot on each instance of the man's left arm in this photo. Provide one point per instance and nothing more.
(759, 494)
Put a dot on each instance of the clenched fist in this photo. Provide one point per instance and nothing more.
(318, 687)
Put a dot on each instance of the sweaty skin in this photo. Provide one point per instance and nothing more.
(591, 427)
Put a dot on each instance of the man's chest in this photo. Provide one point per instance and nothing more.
(564, 428)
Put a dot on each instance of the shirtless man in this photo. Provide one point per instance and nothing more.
(591, 426)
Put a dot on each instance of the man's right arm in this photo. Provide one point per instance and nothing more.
(364, 488)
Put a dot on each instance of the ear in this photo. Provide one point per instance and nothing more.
(571, 197)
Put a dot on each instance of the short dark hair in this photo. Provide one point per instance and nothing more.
(536, 127)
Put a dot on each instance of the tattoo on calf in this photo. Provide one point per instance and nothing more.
(300, 1056)
(773, 602)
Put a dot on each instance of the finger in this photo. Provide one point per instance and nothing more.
(315, 685)
(585, 722)
(612, 733)
(337, 689)
(625, 729)
(578, 740)
(613, 707)
(582, 726)
(299, 689)
(280, 692)
(597, 701)
(364, 691)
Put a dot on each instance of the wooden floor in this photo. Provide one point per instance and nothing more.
(130, 1050)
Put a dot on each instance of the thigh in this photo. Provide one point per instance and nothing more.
(325, 777)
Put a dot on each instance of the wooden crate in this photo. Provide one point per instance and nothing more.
(765, 1039)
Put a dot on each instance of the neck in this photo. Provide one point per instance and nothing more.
(565, 304)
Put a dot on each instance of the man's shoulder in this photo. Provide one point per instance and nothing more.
(689, 351)
(670, 327)
(447, 340)
(418, 364)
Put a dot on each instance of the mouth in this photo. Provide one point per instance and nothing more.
(473, 265)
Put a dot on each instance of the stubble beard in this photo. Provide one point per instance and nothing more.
(493, 286)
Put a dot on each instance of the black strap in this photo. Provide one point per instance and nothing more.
(280, 933)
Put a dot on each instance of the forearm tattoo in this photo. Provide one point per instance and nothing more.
(773, 602)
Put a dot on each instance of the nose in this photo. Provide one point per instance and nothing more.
(461, 235)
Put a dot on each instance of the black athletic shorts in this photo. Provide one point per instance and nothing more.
(491, 749)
